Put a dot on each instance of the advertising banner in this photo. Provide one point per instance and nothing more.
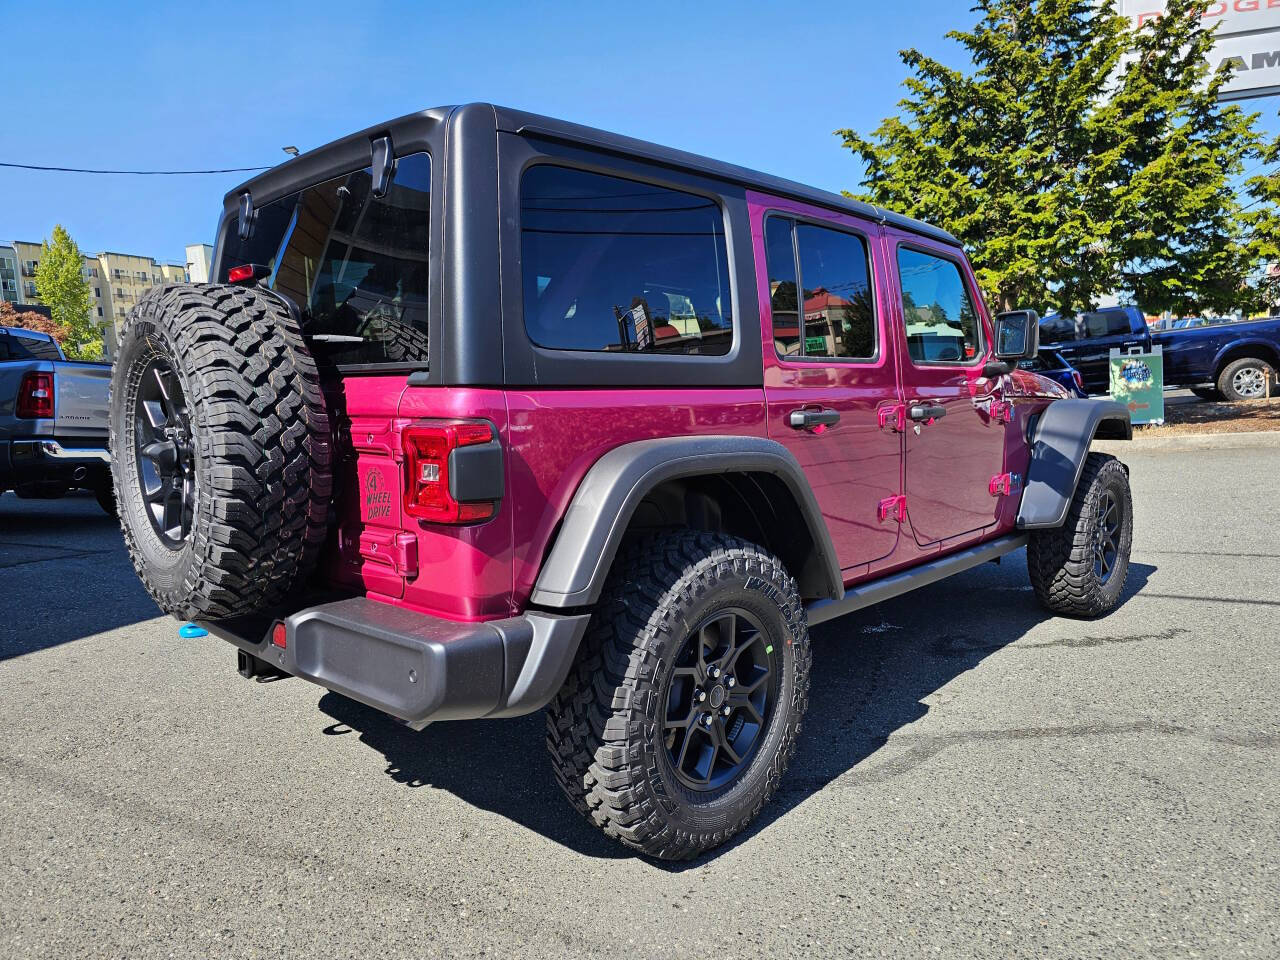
(1137, 381)
(1248, 40)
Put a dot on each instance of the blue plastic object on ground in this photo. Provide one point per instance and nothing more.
(190, 631)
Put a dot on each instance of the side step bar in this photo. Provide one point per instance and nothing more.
(886, 588)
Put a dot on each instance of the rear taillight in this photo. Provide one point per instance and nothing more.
(35, 396)
(437, 485)
(1078, 380)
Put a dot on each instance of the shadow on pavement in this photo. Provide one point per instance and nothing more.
(871, 671)
(64, 574)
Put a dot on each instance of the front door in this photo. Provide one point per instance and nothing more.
(955, 429)
(830, 367)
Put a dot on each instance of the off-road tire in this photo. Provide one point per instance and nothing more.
(604, 729)
(106, 497)
(1061, 561)
(1227, 379)
(261, 449)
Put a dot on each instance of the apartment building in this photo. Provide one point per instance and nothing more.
(199, 262)
(9, 274)
(116, 282)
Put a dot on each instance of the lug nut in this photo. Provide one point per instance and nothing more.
(699, 695)
(714, 672)
(725, 710)
(706, 719)
(729, 681)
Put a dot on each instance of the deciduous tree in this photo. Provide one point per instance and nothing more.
(30, 320)
(61, 284)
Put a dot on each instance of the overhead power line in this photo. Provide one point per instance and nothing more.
(133, 173)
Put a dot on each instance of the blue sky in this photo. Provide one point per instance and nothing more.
(171, 86)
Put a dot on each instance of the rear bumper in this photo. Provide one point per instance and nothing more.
(37, 460)
(417, 667)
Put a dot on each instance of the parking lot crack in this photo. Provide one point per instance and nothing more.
(922, 749)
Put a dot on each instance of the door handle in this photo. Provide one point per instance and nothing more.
(927, 411)
(808, 419)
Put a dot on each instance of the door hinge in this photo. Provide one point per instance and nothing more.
(1003, 484)
(894, 508)
(399, 551)
(895, 414)
(1002, 411)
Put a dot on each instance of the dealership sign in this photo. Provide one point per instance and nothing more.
(1247, 40)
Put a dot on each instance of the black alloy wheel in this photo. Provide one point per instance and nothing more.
(165, 452)
(1106, 543)
(719, 700)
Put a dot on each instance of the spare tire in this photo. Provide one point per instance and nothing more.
(221, 443)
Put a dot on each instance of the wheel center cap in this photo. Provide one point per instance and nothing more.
(716, 697)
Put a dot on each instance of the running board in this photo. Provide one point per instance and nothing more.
(886, 588)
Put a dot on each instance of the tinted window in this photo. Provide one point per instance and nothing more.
(838, 317)
(1106, 323)
(942, 326)
(354, 263)
(1057, 329)
(616, 265)
(32, 348)
(780, 256)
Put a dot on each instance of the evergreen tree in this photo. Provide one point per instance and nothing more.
(1079, 157)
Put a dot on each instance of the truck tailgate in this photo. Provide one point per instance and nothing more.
(81, 407)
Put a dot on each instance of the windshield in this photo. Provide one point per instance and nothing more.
(355, 264)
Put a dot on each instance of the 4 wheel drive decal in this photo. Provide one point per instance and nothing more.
(377, 498)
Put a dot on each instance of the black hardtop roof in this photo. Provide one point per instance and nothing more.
(319, 162)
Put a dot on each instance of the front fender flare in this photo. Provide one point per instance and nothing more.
(575, 570)
(1059, 446)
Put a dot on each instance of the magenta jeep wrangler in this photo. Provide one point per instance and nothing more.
(487, 412)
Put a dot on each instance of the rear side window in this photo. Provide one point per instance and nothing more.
(355, 264)
(1106, 323)
(32, 348)
(942, 325)
(1057, 329)
(835, 281)
(621, 266)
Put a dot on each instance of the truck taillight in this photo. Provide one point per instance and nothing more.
(1079, 380)
(438, 487)
(35, 396)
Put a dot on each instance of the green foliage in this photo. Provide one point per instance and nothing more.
(1079, 157)
(61, 285)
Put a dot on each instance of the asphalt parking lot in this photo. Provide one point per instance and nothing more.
(975, 778)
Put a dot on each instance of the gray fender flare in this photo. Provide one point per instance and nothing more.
(1059, 445)
(575, 570)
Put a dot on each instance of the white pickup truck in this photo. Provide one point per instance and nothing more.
(53, 420)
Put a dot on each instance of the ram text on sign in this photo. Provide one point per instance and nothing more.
(1247, 40)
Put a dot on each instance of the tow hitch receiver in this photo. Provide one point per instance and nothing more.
(255, 668)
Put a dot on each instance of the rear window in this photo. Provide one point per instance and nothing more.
(1106, 323)
(621, 266)
(1057, 329)
(356, 264)
(31, 348)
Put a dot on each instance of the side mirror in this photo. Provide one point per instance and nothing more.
(1017, 335)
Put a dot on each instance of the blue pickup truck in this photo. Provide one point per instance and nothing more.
(1231, 361)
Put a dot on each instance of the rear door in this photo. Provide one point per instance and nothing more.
(830, 367)
(955, 434)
